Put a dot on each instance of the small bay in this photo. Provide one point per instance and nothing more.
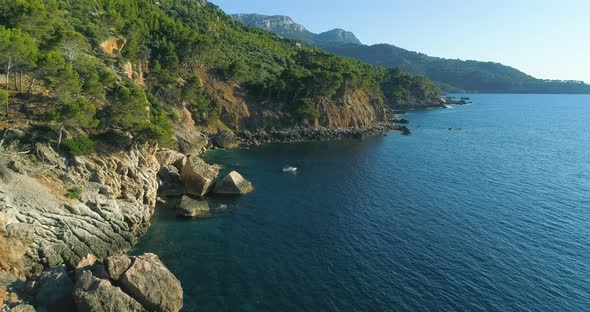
(484, 207)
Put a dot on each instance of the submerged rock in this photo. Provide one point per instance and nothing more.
(192, 208)
(233, 184)
(197, 176)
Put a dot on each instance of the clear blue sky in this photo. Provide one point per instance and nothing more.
(544, 38)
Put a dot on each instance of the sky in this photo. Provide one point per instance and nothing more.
(544, 38)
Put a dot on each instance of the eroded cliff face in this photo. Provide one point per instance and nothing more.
(238, 111)
(112, 199)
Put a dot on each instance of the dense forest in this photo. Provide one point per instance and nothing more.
(104, 65)
(452, 75)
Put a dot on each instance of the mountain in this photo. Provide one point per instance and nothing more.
(452, 74)
(338, 36)
(286, 27)
(280, 25)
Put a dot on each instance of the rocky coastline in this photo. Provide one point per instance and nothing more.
(302, 134)
(64, 218)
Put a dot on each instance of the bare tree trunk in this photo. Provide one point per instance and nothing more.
(61, 131)
(32, 85)
(8, 66)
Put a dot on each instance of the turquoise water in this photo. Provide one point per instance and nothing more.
(492, 217)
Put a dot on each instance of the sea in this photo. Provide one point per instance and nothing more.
(485, 207)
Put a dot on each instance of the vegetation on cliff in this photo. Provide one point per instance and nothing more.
(98, 65)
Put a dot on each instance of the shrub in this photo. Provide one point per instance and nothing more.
(304, 109)
(79, 146)
(74, 193)
(3, 97)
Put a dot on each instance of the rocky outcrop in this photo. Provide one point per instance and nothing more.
(139, 283)
(189, 139)
(198, 176)
(191, 208)
(171, 162)
(225, 139)
(113, 202)
(233, 184)
(113, 45)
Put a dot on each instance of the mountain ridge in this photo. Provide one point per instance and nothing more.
(452, 75)
(285, 26)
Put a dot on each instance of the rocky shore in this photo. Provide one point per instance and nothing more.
(59, 212)
(299, 134)
(65, 221)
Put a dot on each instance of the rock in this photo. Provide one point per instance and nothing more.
(169, 177)
(225, 139)
(46, 154)
(190, 141)
(233, 184)
(168, 157)
(92, 294)
(118, 199)
(54, 285)
(152, 284)
(197, 176)
(23, 308)
(86, 262)
(117, 265)
(192, 208)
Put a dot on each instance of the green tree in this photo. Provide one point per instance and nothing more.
(16, 49)
(3, 97)
(77, 114)
(196, 100)
(130, 108)
(305, 110)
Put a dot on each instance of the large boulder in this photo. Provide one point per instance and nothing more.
(93, 294)
(152, 284)
(197, 176)
(225, 139)
(170, 183)
(168, 157)
(233, 184)
(117, 265)
(192, 208)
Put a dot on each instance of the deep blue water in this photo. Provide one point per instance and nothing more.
(495, 217)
